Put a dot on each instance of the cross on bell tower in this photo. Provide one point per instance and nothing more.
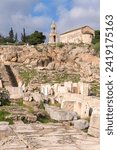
(53, 37)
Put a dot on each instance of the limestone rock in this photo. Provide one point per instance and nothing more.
(36, 96)
(31, 118)
(55, 58)
(81, 124)
(94, 127)
(59, 114)
(5, 130)
(51, 66)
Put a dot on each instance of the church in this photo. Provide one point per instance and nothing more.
(84, 35)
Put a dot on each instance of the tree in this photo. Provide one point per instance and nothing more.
(97, 37)
(11, 36)
(16, 39)
(96, 42)
(36, 38)
(23, 36)
(2, 39)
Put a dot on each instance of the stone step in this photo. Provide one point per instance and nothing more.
(11, 75)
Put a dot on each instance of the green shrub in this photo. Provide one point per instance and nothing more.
(57, 104)
(60, 45)
(95, 89)
(20, 102)
(4, 116)
(41, 105)
(97, 48)
(4, 97)
(64, 76)
(45, 118)
(96, 39)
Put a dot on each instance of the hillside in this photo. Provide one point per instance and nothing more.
(51, 63)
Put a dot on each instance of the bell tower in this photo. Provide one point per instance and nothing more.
(53, 37)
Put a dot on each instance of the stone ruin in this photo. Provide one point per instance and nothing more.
(10, 80)
(74, 97)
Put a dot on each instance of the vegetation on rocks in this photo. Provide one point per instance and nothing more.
(96, 42)
(57, 104)
(95, 89)
(28, 75)
(4, 116)
(45, 118)
(4, 97)
(57, 77)
(60, 45)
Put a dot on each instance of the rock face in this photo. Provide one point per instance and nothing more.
(55, 58)
(59, 114)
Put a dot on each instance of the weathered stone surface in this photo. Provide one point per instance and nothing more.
(15, 92)
(94, 128)
(81, 124)
(31, 118)
(36, 96)
(5, 130)
(55, 58)
(79, 35)
(60, 114)
(51, 66)
(47, 137)
(85, 109)
(1, 85)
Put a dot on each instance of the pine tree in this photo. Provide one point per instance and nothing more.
(23, 36)
(16, 39)
(11, 35)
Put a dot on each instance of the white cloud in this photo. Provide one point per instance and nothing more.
(18, 14)
(85, 12)
(40, 7)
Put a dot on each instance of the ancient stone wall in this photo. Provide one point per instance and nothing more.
(80, 35)
(71, 37)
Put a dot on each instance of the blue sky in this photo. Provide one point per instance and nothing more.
(39, 14)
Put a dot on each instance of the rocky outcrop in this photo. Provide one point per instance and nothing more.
(72, 58)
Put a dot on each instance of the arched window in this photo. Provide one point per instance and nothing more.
(54, 38)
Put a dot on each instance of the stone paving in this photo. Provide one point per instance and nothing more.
(53, 136)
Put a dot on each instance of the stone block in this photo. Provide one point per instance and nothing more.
(85, 110)
(1, 85)
(94, 127)
(59, 114)
(62, 89)
(68, 86)
(45, 89)
(36, 96)
(81, 124)
(68, 105)
(15, 92)
(77, 107)
(5, 130)
(84, 88)
(31, 118)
